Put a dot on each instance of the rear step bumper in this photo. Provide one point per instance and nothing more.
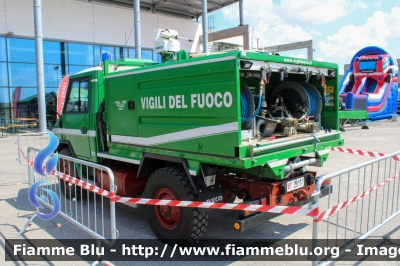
(261, 217)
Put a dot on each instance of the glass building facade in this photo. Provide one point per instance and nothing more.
(18, 83)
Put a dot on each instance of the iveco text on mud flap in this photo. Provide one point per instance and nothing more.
(216, 128)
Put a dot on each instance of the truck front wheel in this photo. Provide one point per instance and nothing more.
(170, 222)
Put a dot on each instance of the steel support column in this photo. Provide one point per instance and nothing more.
(241, 16)
(310, 51)
(37, 11)
(138, 40)
(205, 25)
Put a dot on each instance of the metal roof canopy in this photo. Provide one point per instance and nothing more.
(189, 9)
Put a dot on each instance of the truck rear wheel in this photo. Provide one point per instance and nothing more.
(170, 222)
(70, 192)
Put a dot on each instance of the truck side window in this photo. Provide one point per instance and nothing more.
(77, 101)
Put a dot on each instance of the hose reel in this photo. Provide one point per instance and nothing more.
(247, 106)
(292, 104)
(299, 96)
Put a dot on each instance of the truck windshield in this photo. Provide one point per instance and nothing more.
(77, 101)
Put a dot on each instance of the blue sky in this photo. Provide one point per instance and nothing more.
(338, 28)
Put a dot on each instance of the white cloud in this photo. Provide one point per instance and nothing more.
(281, 34)
(315, 32)
(254, 11)
(375, 31)
(281, 23)
(317, 12)
(269, 26)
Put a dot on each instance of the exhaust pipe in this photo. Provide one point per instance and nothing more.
(290, 167)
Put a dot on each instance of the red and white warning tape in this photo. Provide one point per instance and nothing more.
(229, 206)
(364, 153)
(180, 203)
(221, 206)
(70, 179)
(343, 205)
(83, 184)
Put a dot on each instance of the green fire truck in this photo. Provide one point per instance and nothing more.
(219, 127)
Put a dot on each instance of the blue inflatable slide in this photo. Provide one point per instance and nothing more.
(371, 83)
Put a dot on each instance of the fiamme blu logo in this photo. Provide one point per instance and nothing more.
(45, 171)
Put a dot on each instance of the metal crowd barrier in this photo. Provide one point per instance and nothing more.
(33, 140)
(365, 197)
(90, 211)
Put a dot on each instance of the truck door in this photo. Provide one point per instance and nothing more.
(75, 117)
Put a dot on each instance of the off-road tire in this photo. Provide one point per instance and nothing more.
(71, 192)
(190, 224)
